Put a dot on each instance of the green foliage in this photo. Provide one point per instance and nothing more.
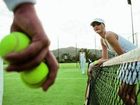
(72, 54)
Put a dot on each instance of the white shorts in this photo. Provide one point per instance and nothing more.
(129, 72)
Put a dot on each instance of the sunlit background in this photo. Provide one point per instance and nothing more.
(67, 22)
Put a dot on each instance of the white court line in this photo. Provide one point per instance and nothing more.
(71, 78)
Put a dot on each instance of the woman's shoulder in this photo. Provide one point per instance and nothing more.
(110, 34)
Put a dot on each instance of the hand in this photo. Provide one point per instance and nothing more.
(101, 61)
(26, 21)
(53, 68)
(94, 64)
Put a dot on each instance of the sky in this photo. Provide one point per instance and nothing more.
(67, 22)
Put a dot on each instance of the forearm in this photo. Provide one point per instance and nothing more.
(12, 4)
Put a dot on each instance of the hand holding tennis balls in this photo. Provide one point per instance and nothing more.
(17, 42)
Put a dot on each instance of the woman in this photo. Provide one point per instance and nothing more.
(116, 43)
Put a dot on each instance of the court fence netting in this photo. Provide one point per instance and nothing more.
(105, 81)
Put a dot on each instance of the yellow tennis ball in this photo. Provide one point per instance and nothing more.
(14, 42)
(17, 42)
(95, 62)
(34, 78)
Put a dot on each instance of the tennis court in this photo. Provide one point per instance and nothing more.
(69, 89)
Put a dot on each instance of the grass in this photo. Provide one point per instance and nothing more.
(68, 89)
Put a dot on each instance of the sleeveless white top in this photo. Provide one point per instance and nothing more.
(125, 44)
(82, 56)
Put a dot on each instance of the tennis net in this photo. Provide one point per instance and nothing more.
(107, 79)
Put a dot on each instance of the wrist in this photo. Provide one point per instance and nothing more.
(12, 4)
(24, 8)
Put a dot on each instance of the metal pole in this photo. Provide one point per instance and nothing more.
(132, 24)
(76, 49)
(136, 39)
(58, 47)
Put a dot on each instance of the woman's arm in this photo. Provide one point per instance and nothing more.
(104, 54)
(104, 50)
(113, 41)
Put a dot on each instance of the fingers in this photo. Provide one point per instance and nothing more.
(25, 55)
(29, 64)
(53, 68)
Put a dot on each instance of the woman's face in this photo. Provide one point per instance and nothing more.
(98, 27)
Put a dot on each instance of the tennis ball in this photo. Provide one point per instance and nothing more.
(35, 77)
(17, 42)
(95, 62)
(14, 42)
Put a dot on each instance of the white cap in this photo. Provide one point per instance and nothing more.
(98, 20)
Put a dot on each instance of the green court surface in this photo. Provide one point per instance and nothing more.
(69, 89)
